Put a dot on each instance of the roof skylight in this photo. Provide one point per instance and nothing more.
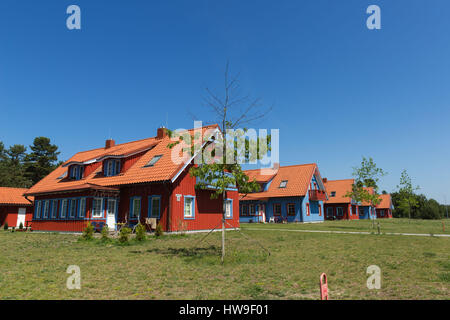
(154, 160)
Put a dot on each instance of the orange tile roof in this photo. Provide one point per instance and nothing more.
(165, 169)
(14, 196)
(260, 175)
(341, 187)
(386, 201)
(298, 180)
(371, 191)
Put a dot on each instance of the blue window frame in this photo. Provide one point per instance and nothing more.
(228, 208)
(111, 167)
(135, 208)
(154, 207)
(189, 207)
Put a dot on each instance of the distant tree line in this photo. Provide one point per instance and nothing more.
(423, 208)
(21, 168)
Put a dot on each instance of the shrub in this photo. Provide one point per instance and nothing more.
(21, 226)
(124, 234)
(88, 232)
(13, 229)
(105, 232)
(159, 230)
(5, 227)
(140, 232)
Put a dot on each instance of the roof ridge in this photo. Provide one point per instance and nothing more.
(289, 166)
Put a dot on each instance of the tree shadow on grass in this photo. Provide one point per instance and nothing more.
(187, 252)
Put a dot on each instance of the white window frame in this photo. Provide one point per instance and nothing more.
(46, 209)
(54, 208)
(95, 213)
(64, 207)
(109, 206)
(38, 209)
(133, 213)
(229, 209)
(191, 199)
(82, 208)
(153, 198)
(73, 208)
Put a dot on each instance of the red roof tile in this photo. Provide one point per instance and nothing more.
(164, 169)
(298, 179)
(386, 201)
(14, 196)
(340, 187)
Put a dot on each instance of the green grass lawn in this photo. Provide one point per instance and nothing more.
(33, 266)
(386, 225)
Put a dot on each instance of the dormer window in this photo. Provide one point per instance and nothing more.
(76, 172)
(111, 167)
(333, 194)
(154, 160)
(283, 184)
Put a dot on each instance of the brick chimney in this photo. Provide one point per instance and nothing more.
(161, 133)
(109, 143)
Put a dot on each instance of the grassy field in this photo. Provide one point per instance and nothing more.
(386, 226)
(33, 265)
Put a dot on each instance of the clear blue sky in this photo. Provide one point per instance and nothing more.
(340, 91)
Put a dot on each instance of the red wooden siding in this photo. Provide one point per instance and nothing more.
(8, 214)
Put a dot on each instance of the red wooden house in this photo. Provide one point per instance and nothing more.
(385, 207)
(338, 206)
(127, 183)
(14, 207)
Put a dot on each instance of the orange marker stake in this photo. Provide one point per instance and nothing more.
(323, 287)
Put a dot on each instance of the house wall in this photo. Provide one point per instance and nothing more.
(367, 212)
(259, 206)
(208, 212)
(69, 224)
(387, 213)
(8, 214)
(144, 191)
(350, 212)
(316, 210)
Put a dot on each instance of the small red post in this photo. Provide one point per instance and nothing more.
(323, 287)
(443, 226)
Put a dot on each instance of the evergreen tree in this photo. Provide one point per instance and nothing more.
(42, 160)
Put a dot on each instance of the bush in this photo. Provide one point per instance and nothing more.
(5, 227)
(140, 232)
(105, 232)
(124, 234)
(88, 233)
(21, 226)
(159, 230)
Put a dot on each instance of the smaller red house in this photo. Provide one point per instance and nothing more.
(384, 209)
(14, 207)
(338, 206)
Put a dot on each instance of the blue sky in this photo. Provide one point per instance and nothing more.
(339, 90)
